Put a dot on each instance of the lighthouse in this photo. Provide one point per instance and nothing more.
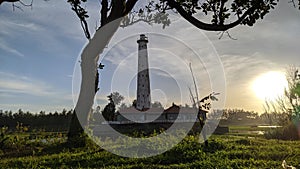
(143, 101)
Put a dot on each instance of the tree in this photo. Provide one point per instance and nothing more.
(290, 102)
(116, 98)
(293, 91)
(109, 110)
(285, 111)
(134, 103)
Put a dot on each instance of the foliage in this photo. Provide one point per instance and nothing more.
(288, 107)
(236, 114)
(22, 122)
(222, 152)
(109, 110)
(223, 14)
(116, 98)
(287, 132)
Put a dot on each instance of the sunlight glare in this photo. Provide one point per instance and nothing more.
(270, 85)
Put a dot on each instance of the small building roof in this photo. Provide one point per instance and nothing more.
(173, 109)
(134, 110)
(176, 109)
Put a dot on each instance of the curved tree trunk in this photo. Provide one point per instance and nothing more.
(89, 59)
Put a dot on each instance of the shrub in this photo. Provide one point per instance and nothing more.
(287, 132)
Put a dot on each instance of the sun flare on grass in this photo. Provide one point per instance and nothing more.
(270, 85)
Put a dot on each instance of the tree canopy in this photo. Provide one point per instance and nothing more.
(216, 15)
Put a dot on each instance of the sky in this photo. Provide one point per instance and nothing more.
(39, 51)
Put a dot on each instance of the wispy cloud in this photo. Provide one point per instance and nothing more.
(242, 68)
(10, 50)
(11, 83)
(31, 94)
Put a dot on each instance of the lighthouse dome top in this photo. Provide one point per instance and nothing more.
(143, 38)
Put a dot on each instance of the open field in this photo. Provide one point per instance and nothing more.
(224, 151)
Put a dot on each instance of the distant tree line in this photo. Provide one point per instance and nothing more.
(59, 121)
(244, 117)
(42, 121)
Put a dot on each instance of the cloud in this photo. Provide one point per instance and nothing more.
(8, 49)
(14, 85)
(50, 27)
(31, 94)
(11, 83)
(242, 68)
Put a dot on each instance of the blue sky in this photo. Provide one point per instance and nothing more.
(39, 50)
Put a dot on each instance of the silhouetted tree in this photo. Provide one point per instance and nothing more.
(134, 103)
(22, 122)
(110, 109)
(116, 98)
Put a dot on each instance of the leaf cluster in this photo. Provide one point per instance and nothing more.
(222, 10)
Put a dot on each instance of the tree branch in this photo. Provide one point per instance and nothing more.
(221, 18)
(104, 12)
(205, 26)
(82, 15)
(129, 5)
(16, 6)
(116, 10)
(120, 9)
(1, 1)
(136, 21)
(293, 2)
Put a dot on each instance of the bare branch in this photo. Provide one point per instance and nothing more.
(17, 6)
(129, 6)
(1, 1)
(30, 5)
(221, 18)
(228, 34)
(104, 12)
(293, 2)
(82, 15)
(136, 21)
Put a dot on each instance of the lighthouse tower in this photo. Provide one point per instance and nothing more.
(143, 101)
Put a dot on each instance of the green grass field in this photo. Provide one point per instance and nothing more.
(226, 151)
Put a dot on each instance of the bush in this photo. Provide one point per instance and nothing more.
(288, 132)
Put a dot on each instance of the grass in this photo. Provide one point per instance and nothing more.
(224, 151)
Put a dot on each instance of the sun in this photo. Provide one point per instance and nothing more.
(270, 85)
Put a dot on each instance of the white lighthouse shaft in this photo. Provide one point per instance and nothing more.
(143, 81)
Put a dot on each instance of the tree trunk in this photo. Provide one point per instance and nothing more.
(89, 59)
(75, 134)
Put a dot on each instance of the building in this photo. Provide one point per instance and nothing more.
(158, 115)
(143, 96)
